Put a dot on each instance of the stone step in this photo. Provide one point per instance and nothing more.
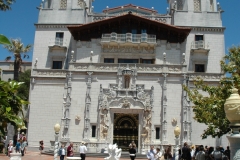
(102, 155)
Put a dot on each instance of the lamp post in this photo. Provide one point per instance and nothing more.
(177, 132)
(91, 54)
(232, 110)
(56, 129)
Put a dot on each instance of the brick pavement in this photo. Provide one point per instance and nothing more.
(35, 156)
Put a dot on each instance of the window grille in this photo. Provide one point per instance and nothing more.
(180, 5)
(197, 5)
(63, 4)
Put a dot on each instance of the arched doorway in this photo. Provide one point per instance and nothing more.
(125, 130)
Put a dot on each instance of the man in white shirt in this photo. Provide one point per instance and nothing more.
(151, 153)
(82, 150)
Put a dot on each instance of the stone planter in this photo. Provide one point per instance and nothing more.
(232, 108)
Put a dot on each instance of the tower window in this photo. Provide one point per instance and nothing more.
(199, 68)
(198, 37)
(63, 4)
(127, 60)
(197, 5)
(180, 5)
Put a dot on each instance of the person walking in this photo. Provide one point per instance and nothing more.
(41, 147)
(186, 154)
(83, 150)
(10, 148)
(62, 152)
(132, 151)
(23, 146)
(70, 150)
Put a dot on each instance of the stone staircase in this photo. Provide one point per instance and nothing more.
(102, 155)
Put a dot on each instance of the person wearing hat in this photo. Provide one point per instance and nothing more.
(83, 150)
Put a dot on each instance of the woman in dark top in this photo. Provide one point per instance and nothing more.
(132, 152)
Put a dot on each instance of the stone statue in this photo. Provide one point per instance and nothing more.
(237, 155)
(114, 152)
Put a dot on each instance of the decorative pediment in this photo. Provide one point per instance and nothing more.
(130, 7)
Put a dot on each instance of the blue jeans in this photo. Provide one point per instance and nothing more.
(62, 157)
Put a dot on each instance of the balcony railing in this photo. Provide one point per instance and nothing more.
(199, 45)
(57, 42)
(129, 37)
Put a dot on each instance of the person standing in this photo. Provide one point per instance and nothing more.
(186, 154)
(132, 151)
(168, 154)
(217, 154)
(41, 147)
(201, 154)
(62, 152)
(70, 150)
(83, 150)
(227, 152)
(151, 153)
(158, 154)
(24, 145)
(18, 146)
(10, 148)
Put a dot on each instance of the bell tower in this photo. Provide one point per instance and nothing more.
(64, 11)
(195, 13)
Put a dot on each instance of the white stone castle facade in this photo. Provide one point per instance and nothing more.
(117, 76)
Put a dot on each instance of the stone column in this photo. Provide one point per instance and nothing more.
(164, 109)
(186, 115)
(87, 107)
(66, 107)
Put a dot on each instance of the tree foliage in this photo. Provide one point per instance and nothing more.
(209, 109)
(10, 104)
(23, 91)
(18, 49)
(6, 4)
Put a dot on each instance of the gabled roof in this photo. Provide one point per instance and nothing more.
(129, 21)
(130, 6)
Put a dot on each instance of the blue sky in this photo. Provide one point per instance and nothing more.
(19, 22)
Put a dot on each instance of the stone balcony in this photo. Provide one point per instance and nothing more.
(200, 47)
(57, 44)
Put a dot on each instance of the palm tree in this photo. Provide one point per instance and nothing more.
(17, 48)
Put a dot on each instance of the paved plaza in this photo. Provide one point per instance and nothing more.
(35, 156)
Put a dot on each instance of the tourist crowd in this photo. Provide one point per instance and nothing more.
(190, 153)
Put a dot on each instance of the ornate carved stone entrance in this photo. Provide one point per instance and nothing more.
(125, 130)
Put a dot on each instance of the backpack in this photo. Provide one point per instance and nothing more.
(217, 155)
